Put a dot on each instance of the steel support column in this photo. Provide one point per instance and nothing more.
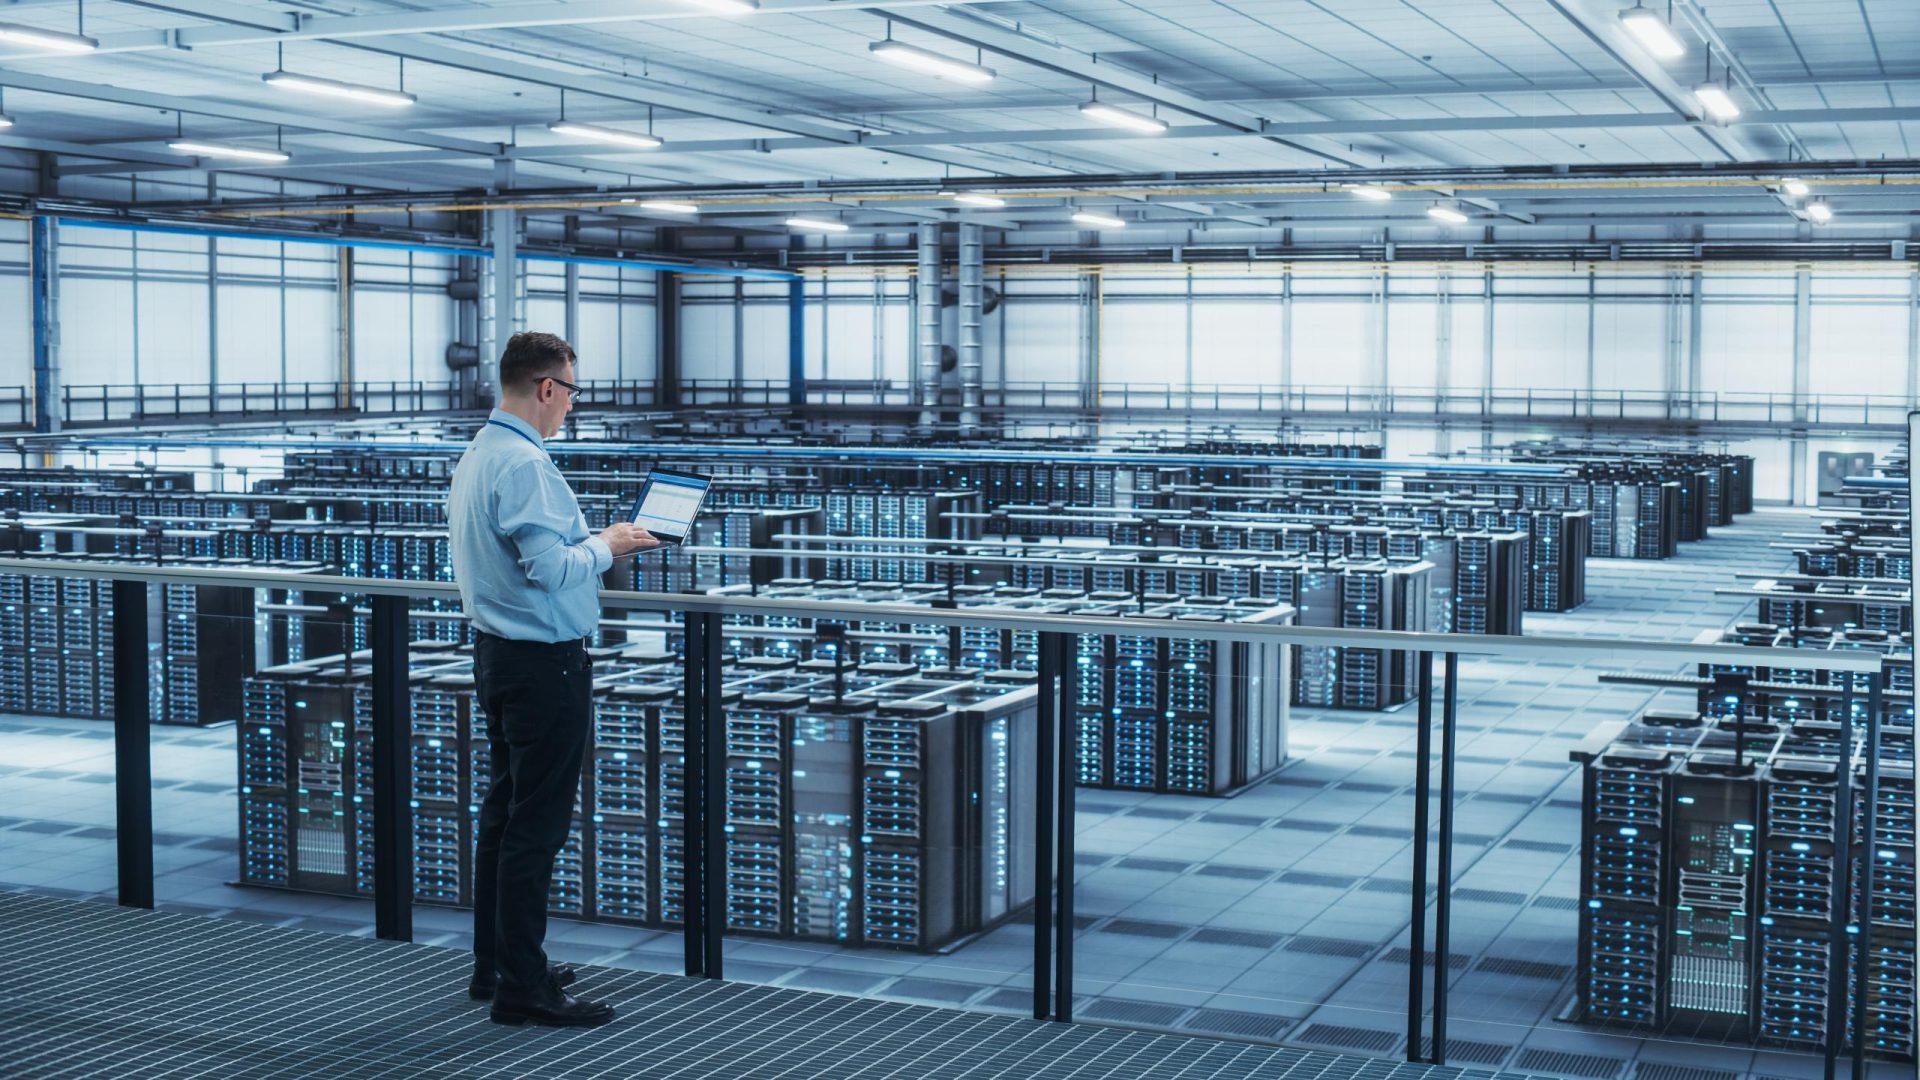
(1802, 382)
(503, 225)
(668, 371)
(797, 340)
(972, 340)
(926, 292)
(44, 299)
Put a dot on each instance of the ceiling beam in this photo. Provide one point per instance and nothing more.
(567, 153)
(1602, 26)
(480, 61)
(97, 91)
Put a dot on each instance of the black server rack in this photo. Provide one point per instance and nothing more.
(1710, 881)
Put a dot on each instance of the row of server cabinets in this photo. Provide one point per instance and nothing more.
(1174, 715)
(1710, 878)
(875, 804)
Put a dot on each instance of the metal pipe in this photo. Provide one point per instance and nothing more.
(972, 347)
(927, 303)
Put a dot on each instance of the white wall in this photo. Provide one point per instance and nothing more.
(155, 309)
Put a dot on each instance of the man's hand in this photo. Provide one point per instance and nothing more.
(625, 538)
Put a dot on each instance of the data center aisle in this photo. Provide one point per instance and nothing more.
(1279, 913)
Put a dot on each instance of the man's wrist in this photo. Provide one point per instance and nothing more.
(602, 554)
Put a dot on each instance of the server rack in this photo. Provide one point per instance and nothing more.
(1709, 883)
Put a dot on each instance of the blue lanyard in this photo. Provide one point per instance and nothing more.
(518, 432)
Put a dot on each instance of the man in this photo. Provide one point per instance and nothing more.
(529, 577)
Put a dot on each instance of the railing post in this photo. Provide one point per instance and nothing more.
(1838, 942)
(132, 750)
(1046, 740)
(392, 773)
(1869, 852)
(1443, 902)
(1068, 780)
(1417, 925)
(704, 817)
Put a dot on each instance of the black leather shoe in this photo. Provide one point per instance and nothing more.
(481, 987)
(553, 1009)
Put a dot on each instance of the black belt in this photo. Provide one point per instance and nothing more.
(583, 643)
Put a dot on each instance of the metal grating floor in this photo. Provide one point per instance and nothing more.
(93, 990)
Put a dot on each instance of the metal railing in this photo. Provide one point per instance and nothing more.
(1412, 402)
(98, 403)
(16, 406)
(701, 624)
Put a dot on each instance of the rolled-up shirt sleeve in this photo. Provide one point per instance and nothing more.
(537, 512)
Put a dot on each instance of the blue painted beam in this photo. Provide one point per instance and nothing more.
(40, 301)
(797, 341)
(178, 440)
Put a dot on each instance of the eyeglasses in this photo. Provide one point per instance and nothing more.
(573, 392)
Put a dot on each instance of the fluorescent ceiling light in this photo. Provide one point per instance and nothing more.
(666, 207)
(912, 56)
(313, 84)
(595, 133)
(1819, 212)
(1714, 98)
(1370, 192)
(727, 7)
(1796, 188)
(223, 150)
(1101, 221)
(55, 40)
(1447, 214)
(1653, 33)
(1126, 118)
(970, 198)
(816, 224)
(5, 120)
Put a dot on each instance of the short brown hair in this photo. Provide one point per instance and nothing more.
(532, 356)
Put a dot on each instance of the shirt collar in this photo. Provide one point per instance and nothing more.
(504, 417)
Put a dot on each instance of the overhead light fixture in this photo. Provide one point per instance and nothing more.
(1716, 99)
(971, 198)
(314, 84)
(1796, 188)
(225, 150)
(1819, 212)
(1098, 221)
(574, 129)
(816, 224)
(727, 7)
(933, 63)
(666, 207)
(1125, 118)
(1448, 214)
(1370, 192)
(52, 40)
(1653, 33)
(5, 120)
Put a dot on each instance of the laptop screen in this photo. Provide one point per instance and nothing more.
(668, 504)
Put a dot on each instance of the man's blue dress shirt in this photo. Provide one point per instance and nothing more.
(527, 567)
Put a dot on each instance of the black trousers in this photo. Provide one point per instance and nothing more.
(538, 700)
